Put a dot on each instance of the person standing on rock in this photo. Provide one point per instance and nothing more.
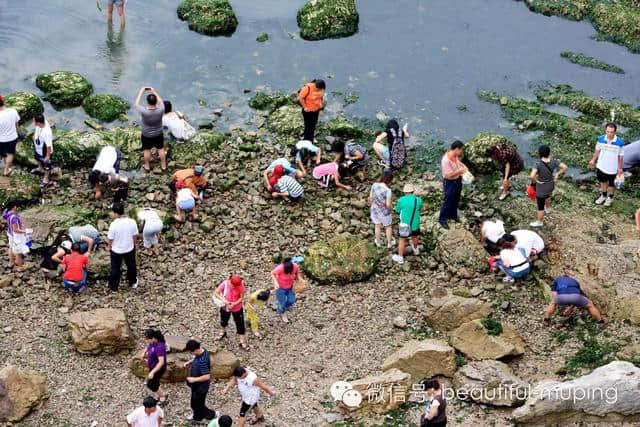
(43, 148)
(156, 355)
(609, 154)
(199, 380)
(566, 293)
(75, 267)
(231, 291)
(311, 99)
(255, 303)
(17, 234)
(122, 238)
(9, 120)
(408, 206)
(106, 171)
(543, 177)
(509, 163)
(151, 124)
(249, 386)
(284, 275)
(380, 202)
(435, 413)
(452, 170)
(147, 415)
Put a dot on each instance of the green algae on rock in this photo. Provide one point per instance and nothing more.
(105, 107)
(270, 102)
(262, 37)
(571, 9)
(21, 186)
(341, 260)
(189, 153)
(286, 122)
(619, 22)
(590, 62)
(27, 104)
(343, 128)
(328, 19)
(48, 221)
(475, 151)
(209, 17)
(64, 88)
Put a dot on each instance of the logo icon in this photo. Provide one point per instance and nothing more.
(342, 391)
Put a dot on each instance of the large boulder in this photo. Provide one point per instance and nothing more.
(20, 392)
(210, 17)
(380, 393)
(449, 312)
(286, 122)
(609, 394)
(423, 359)
(479, 340)
(47, 221)
(101, 330)
(341, 260)
(490, 382)
(474, 153)
(64, 88)
(27, 104)
(344, 128)
(328, 19)
(105, 107)
(19, 185)
(458, 248)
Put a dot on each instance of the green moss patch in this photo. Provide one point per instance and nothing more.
(64, 88)
(344, 128)
(475, 151)
(262, 37)
(205, 142)
(571, 9)
(105, 107)
(270, 102)
(209, 17)
(21, 186)
(590, 62)
(27, 104)
(493, 326)
(328, 19)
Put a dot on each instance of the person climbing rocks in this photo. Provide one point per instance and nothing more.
(311, 99)
(231, 291)
(392, 134)
(199, 380)
(544, 175)
(147, 415)
(249, 386)
(156, 355)
(509, 164)
(43, 148)
(9, 121)
(284, 275)
(122, 238)
(106, 172)
(151, 124)
(75, 267)
(186, 204)
(567, 294)
(380, 202)
(452, 170)
(255, 303)
(513, 260)
(408, 207)
(17, 235)
(305, 153)
(609, 154)
(191, 178)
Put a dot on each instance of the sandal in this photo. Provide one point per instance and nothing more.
(146, 170)
(221, 336)
(255, 420)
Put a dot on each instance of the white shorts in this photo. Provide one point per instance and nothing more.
(18, 244)
(150, 232)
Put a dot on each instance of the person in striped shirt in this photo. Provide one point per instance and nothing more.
(288, 188)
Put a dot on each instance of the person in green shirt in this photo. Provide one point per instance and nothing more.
(408, 206)
(223, 421)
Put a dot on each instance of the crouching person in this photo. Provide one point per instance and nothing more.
(75, 267)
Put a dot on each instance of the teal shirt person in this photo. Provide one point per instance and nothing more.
(405, 206)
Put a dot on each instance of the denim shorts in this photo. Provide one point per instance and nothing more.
(187, 205)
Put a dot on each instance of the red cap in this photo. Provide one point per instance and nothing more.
(1, 98)
(279, 170)
(236, 280)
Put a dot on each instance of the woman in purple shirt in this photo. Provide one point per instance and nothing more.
(156, 355)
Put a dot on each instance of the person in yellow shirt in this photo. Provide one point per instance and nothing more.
(256, 301)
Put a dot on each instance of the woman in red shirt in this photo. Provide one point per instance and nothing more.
(283, 277)
(75, 266)
(231, 291)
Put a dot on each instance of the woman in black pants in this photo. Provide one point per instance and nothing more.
(231, 293)
(156, 355)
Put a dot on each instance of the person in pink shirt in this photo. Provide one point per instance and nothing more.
(231, 291)
(452, 171)
(325, 173)
(283, 277)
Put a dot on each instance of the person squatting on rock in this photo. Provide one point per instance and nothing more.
(75, 267)
(408, 207)
(199, 380)
(328, 173)
(106, 172)
(283, 167)
(288, 188)
(147, 415)
(191, 178)
(52, 259)
(151, 123)
(284, 275)
(311, 99)
(567, 294)
(156, 355)
(17, 235)
(176, 124)
(42, 148)
(354, 158)
(231, 291)
(609, 154)
(393, 134)
(544, 175)
(305, 153)
(9, 121)
(509, 163)
(186, 203)
(86, 235)
(452, 171)
(380, 197)
(249, 386)
(122, 238)
(513, 260)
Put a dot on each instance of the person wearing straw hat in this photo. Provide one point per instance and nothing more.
(408, 206)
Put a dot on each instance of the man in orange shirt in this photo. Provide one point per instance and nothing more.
(311, 98)
(192, 179)
(452, 171)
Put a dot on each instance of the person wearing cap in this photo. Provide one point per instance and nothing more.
(271, 178)
(185, 203)
(231, 291)
(75, 267)
(147, 415)
(288, 169)
(408, 206)
(106, 171)
(311, 99)
(452, 171)
(52, 260)
(192, 178)
(43, 148)
(9, 120)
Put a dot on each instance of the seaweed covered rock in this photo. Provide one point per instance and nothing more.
(20, 185)
(341, 260)
(27, 104)
(571, 9)
(105, 107)
(205, 142)
(328, 19)
(271, 102)
(618, 22)
(474, 154)
(590, 62)
(286, 121)
(64, 88)
(344, 128)
(47, 221)
(209, 17)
